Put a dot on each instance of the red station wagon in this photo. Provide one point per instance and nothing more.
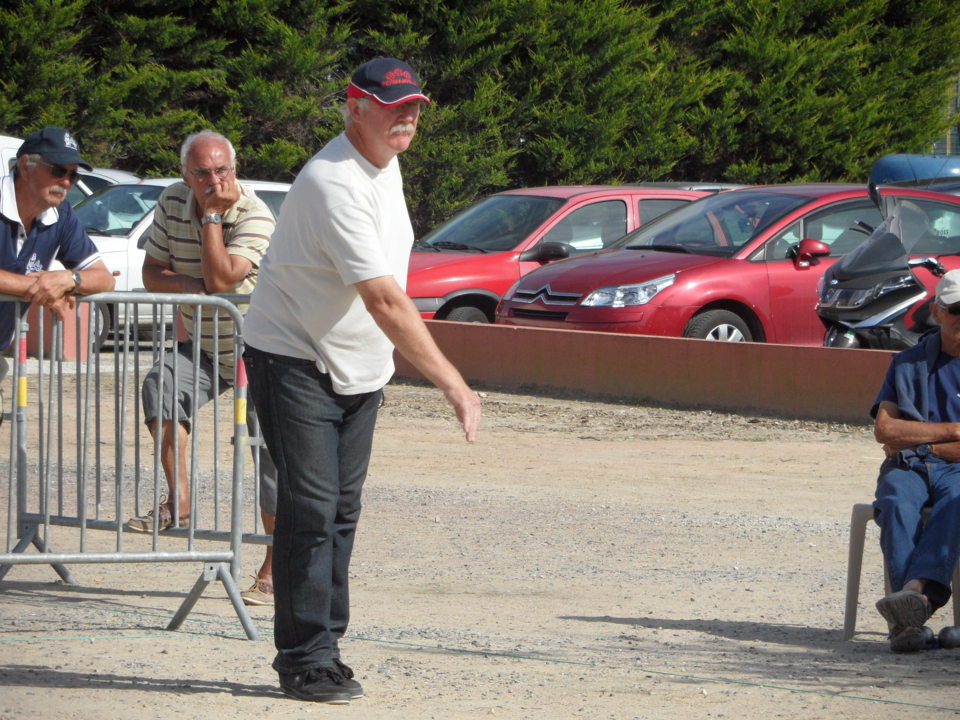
(460, 270)
(727, 267)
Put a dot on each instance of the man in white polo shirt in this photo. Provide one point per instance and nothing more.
(323, 322)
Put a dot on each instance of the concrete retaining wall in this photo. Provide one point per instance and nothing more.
(779, 380)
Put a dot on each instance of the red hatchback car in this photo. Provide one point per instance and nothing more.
(460, 270)
(727, 267)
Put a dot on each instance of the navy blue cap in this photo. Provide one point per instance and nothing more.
(56, 145)
(387, 80)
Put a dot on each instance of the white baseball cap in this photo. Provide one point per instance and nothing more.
(948, 289)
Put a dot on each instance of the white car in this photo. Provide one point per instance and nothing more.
(116, 218)
(8, 152)
(89, 182)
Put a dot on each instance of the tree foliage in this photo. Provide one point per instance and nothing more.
(526, 92)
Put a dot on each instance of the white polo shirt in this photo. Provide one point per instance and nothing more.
(343, 221)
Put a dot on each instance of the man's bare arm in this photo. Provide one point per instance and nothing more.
(15, 283)
(897, 433)
(53, 288)
(159, 278)
(222, 271)
(395, 314)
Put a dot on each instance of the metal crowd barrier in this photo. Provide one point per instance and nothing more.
(82, 459)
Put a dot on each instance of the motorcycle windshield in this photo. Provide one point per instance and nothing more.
(888, 247)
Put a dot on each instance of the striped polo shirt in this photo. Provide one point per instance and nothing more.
(174, 240)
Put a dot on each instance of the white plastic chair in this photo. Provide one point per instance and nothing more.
(862, 514)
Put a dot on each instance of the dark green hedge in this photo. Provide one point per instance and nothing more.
(527, 92)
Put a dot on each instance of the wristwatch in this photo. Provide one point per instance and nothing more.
(212, 218)
(76, 281)
(922, 450)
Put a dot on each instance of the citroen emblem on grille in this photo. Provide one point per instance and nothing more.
(547, 296)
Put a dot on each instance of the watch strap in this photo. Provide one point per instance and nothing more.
(76, 281)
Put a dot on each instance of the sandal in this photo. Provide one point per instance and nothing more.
(145, 523)
(905, 609)
(907, 639)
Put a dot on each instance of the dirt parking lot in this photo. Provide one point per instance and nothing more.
(581, 560)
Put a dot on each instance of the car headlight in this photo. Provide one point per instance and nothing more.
(628, 295)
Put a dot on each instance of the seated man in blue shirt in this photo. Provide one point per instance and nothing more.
(38, 227)
(918, 421)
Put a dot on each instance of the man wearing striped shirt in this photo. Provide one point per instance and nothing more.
(209, 235)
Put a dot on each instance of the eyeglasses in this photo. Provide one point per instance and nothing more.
(952, 309)
(59, 171)
(204, 174)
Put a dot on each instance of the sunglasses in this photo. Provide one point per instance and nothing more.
(59, 171)
(952, 309)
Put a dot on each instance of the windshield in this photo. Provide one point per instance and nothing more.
(888, 246)
(717, 225)
(496, 224)
(273, 198)
(117, 209)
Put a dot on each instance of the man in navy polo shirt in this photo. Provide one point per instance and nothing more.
(918, 421)
(38, 227)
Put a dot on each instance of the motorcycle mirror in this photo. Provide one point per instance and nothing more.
(808, 251)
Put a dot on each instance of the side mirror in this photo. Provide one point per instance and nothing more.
(807, 253)
(546, 252)
(874, 192)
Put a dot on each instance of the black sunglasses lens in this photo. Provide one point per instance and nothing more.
(954, 309)
(58, 171)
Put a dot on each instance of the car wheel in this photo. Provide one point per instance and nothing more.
(467, 313)
(718, 325)
(103, 324)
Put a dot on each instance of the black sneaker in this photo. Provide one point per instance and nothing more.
(324, 685)
(345, 672)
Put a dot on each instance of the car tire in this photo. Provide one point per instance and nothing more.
(102, 323)
(721, 325)
(467, 313)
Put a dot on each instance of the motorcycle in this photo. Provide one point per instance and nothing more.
(872, 297)
(865, 298)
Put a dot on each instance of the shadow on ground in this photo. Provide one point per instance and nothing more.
(45, 677)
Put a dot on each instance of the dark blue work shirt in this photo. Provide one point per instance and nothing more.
(945, 390)
(924, 383)
(56, 234)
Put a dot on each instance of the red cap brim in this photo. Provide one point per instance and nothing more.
(354, 92)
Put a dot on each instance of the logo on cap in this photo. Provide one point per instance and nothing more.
(69, 142)
(398, 77)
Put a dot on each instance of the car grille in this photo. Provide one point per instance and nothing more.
(546, 295)
(531, 314)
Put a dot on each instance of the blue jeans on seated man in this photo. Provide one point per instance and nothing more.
(910, 548)
(320, 442)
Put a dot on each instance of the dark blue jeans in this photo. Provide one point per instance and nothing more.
(320, 442)
(910, 549)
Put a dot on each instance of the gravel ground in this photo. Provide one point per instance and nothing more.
(582, 559)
